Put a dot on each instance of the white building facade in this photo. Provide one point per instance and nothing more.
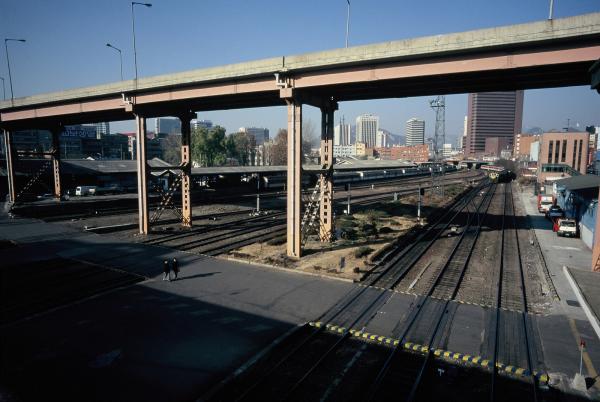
(415, 132)
(367, 126)
(341, 134)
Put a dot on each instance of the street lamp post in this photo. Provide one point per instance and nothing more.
(347, 22)
(6, 40)
(3, 88)
(133, 3)
(120, 57)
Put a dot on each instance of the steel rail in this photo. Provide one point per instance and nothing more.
(341, 306)
(415, 313)
(365, 311)
(524, 294)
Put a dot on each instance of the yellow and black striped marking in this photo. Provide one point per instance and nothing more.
(439, 353)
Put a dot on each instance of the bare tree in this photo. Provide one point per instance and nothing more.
(279, 148)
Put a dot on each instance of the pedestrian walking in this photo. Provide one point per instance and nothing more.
(175, 267)
(166, 271)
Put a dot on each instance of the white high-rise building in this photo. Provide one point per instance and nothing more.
(382, 139)
(367, 126)
(102, 129)
(447, 150)
(341, 134)
(415, 132)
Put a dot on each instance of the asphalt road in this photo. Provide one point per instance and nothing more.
(154, 340)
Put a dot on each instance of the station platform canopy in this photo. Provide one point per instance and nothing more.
(91, 167)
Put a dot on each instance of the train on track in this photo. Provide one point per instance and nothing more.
(340, 177)
(498, 174)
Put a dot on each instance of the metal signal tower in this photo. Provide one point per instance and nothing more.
(439, 105)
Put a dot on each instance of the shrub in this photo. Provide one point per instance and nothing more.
(346, 224)
(385, 230)
(348, 234)
(368, 229)
(363, 251)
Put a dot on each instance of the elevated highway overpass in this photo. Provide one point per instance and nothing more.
(551, 53)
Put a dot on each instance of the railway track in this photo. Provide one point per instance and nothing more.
(512, 331)
(92, 210)
(290, 375)
(221, 238)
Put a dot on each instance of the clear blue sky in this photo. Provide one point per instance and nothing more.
(66, 47)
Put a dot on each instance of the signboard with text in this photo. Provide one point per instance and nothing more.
(79, 132)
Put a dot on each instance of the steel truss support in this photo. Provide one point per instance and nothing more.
(326, 179)
(186, 168)
(56, 132)
(10, 165)
(142, 176)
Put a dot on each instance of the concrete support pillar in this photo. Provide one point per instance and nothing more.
(10, 165)
(596, 247)
(326, 205)
(294, 177)
(142, 176)
(56, 132)
(186, 169)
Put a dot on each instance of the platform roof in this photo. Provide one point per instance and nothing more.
(92, 166)
(583, 182)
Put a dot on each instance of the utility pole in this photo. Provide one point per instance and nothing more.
(347, 22)
(258, 193)
(419, 206)
(348, 193)
(439, 105)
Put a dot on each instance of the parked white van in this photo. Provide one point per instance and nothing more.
(85, 190)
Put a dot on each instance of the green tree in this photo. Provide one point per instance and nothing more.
(208, 146)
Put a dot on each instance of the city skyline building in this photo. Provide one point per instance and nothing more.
(493, 114)
(415, 132)
(196, 124)
(102, 128)
(383, 139)
(167, 125)
(367, 126)
(260, 134)
(341, 133)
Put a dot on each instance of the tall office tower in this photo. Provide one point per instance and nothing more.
(415, 132)
(261, 135)
(102, 129)
(493, 114)
(196, 124)
(341, 133)
(167, 125)
(367, 126)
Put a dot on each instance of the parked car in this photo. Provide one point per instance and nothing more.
(555, 212)
(567, 227)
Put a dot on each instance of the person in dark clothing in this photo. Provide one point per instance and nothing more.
(175, 267)
(166, 271)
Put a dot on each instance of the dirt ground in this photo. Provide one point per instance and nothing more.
(359, 237)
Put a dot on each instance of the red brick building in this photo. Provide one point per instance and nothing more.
(413, 153)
